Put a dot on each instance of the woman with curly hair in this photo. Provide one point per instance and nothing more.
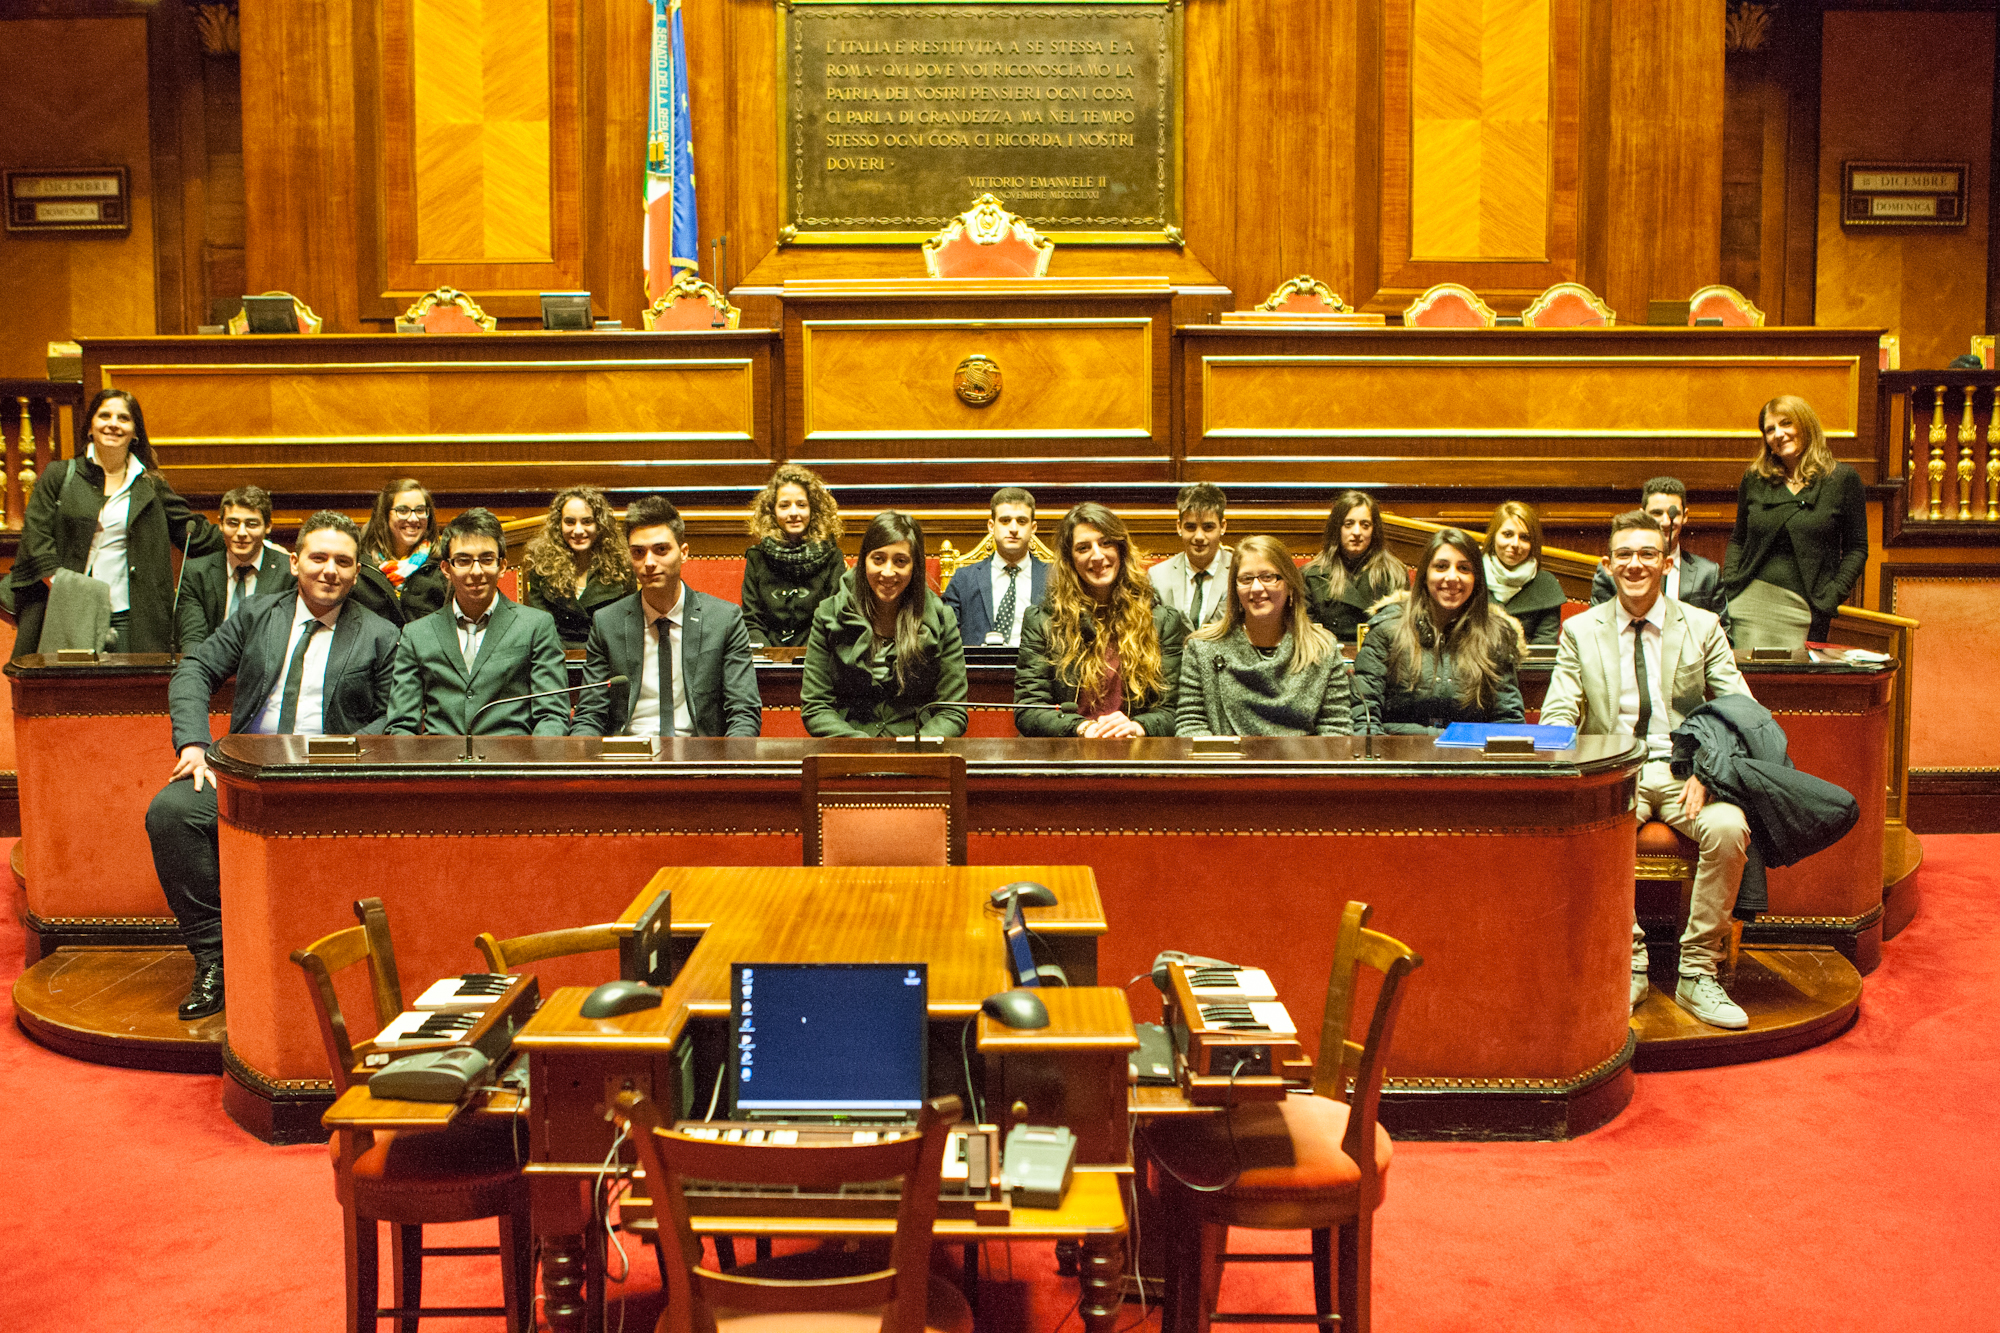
(577, 563)
(884, 650)
(796, 563)
(1442, 653)
(401, 578)
(1263, 667)
(1098, 648)
(1801, 535)
(1353, 569)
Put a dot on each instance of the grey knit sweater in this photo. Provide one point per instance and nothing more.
(1230, 688)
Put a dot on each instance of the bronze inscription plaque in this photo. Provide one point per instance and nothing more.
(899, 115)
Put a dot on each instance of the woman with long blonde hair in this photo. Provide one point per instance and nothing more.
(1100, 658)
(1801, 535)
(577, 564)
(1264, 667)
(796, 563)
(1440, 653)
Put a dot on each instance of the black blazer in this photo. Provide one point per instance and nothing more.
(1828, 525)
(970, 597)
(56, 534)
(1537, 607)
(1701, 585)
(1344, 615)
(204, 595)
(251, 648)
(721, 683)
(422, 593)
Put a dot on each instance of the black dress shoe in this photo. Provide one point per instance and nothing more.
(206, 997)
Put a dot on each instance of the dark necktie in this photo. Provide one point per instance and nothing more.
(1645, 726)
(666, 676)
(295, 679)
(244, 574)
(1003, 619)
(1201, 577)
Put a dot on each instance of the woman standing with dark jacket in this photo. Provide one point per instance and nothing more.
(1801, 535)
(109, 514)
(884, 647)
(1441, 653)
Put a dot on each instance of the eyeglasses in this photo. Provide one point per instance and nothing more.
(1626, 555)
(465, 564)
(410, 511)
(1271, 580)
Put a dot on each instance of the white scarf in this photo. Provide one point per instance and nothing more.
(1503, 583)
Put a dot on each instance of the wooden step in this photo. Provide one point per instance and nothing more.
(1795, 997)
(118, 1005)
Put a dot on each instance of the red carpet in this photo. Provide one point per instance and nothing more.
(1849, 1187)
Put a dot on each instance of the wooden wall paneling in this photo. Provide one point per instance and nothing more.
(617, 39)
(179, 144)
(1798, 38)
(1664, 193)
(1364, 159)
(1211, 132)
(299, 155)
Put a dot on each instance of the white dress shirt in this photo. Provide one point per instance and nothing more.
(645, 717)
(1025, 593)
(311, 718)
(1672, 587)
(109, 560)
(1659, 737)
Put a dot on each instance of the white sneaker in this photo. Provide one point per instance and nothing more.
(1641, 988)
(1704, 997)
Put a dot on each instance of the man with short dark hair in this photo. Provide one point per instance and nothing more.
(216, 587)
(1690, 578)
(1196, 582)
(991, 598)
(686, 654)
(478, 649)
(290, 679)
(1637, 666)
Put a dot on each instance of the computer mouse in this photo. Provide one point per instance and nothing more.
(1030, 893)
(621, 997)
(1016, 1009)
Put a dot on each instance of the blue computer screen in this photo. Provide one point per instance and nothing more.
(828, 1037)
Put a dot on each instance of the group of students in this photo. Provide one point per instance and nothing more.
(1210, 641)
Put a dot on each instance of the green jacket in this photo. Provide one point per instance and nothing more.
(1036, 680)
(432, 693)
(1384, 703)
(850, 690)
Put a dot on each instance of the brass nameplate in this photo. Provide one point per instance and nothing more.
(75, 656)
(1511, 745)
(1903, 194)
(898, 115)
(1217, 747)
(1770, 654)
(627, 747)
(332, 749)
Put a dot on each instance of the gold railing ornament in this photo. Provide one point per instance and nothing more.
(1967, 433)
(1935, 469)
(1993, 458)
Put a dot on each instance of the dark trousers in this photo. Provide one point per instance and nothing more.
(181, 824)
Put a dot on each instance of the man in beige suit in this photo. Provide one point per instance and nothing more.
(1635, 666)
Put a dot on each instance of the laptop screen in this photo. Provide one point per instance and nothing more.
(828, 1039)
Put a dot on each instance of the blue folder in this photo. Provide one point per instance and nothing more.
(1474, 735)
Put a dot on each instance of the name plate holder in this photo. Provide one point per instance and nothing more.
(1217, 747)
(1771, 654)
(627, 748)
(1509, 746)
(76, 656)
(332, 749)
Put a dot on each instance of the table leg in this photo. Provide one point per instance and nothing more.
(1103, 1282)
(561, 1224)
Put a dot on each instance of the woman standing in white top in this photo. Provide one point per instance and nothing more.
(111, 515)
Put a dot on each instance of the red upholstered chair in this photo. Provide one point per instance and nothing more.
(458, 1174)
(1305, 1163)
(883, 809)
(692, 304)
(814, 1292)
(1303, 295)
(986, 241)
(1568, 305)
(1448, 306)
(446, 310)
(1727, 304)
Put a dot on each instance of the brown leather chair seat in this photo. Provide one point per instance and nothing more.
(453, 1175)
(1658, 838)
(1289, 1154)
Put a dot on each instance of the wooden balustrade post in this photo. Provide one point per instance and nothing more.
(1934, 470)
(1967, 433)
(31, 452)
(10, 505)
(1993, 455)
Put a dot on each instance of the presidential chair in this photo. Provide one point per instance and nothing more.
(691, 304)
(1449, 305)
(1725, 303)
(986, 241)
(459, 1174)
(813, 1292)
(1568, 305)
(1304, 300)
(883, 809)
(446, 310)
(1312, 1163)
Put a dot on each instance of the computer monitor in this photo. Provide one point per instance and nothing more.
(647, 954)
(270, 314)
(1020, 947)
(566, 310)
(828, 1041)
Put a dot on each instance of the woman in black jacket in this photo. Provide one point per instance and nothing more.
(401, 577)
(1515, 578)
(796, 563)
(1441, 654)
(1801, 535)
(110, 514)
(1353, 569)
(577, 564)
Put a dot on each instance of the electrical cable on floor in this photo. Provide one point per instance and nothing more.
(716, 1096)
(973, 1101)
(1228, 1123)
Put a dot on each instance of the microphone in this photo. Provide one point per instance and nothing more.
(187, 538)
(473, 722)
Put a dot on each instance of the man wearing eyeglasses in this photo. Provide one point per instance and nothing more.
(478, 648)
(1636, 666)
(1690, 578)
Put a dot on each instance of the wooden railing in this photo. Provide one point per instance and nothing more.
(1941, 431)
(36, 416)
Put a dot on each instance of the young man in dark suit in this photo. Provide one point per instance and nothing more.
(1690, 578)
(992, 598)
(706, 685)
(216, 587)
(479, 648)
(290, 679)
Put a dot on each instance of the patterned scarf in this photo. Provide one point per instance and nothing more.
(800, 562)
(398, 570)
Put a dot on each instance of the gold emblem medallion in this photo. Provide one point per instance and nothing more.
(977, 380)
